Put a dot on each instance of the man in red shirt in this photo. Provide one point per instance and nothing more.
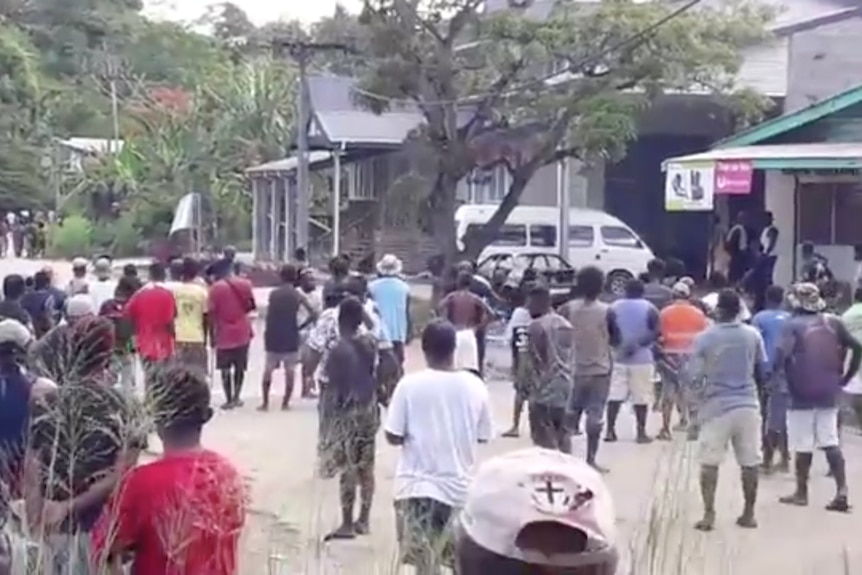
(182, 514)
(231, 299)
(152, 311)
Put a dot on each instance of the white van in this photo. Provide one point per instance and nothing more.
(595, 238)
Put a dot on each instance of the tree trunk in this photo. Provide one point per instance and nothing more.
(442, 204)
(478, 241)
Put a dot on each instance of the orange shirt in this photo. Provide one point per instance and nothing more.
(680, 322)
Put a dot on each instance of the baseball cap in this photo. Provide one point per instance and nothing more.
(537, 486)
(681, 289)
(14, 332)
(79, 263)
(80, 305)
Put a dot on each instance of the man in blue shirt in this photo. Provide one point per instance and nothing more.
(392, 296)
(769, 323)
(726, 362)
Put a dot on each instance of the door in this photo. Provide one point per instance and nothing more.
(583, 248)
(621, 250)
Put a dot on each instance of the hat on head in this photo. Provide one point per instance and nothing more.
(805, 296)
(14, 332)
(79, 263)
(687, 280)
(102, 265)
(389, 265)
(681, 289)
(80, 305)
(520, 488)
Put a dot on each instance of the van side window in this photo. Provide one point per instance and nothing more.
(543, 236)
(510, 235)
(619, 236)
(581, 236)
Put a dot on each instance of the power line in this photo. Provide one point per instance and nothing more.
(586, 61)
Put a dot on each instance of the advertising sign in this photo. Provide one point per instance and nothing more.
(689, 187)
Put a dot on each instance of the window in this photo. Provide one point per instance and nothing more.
(488, 186)
(361, 184)
(581, 236)
(619, 236)
(543, 236)
(829, 214)
(510, 235)
(555, 263)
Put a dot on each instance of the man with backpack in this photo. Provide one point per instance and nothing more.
(812, 354)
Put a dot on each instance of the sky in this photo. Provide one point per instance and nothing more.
(260, 11)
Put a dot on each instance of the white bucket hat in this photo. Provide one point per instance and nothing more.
(389, 265)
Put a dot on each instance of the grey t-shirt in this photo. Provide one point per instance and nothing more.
(658, 294)
(721, 368)
(550, 380)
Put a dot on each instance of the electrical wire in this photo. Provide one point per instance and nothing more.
(586, 61)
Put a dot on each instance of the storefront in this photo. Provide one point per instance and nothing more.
(814, 192)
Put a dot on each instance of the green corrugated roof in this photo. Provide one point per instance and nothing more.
(782, 124)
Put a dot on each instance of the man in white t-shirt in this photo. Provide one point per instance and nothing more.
(103, 287)
(439, 416)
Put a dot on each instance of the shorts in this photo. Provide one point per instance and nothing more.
(739, 427)
(590, 393)
(346, 441)
(633, 383)
(276, 359)
(548, 427)
(194, 355)
(810, 429)
(668, 370)
(235, 357)
(466, 350)
(776, 412)
(424, 529)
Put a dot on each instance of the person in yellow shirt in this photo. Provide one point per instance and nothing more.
(191, 323)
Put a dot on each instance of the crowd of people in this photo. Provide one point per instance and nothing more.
(767, 381)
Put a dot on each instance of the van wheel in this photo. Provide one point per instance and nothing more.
(617, 281)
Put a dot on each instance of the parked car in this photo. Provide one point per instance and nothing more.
(595, 238)
(507, 271)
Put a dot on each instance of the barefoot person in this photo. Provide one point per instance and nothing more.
(536, 511)
(551, 342)
(727, 360)
(184, 512)
(281, 333)
(632, 377)
(153, 311)
(349, 419)
(596, 334)
(812, 353)
(392, 295)
(770, 323)
(469, 314)
(438, 416)
(230, 301)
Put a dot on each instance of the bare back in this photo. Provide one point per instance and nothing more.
(464, 310)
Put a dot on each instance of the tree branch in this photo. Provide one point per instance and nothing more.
(495, 94)
(459, 20)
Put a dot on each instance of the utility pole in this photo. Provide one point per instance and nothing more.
(302, 52)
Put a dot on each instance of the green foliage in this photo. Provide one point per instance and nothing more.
(72, 238)
(612, 60)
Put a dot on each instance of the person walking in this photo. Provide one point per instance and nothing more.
(852, 319)
(813, 356)
(392, 295)
(153, 311)
(469, 314)
(774, 399)
(595, 335)
(192, 324)
(124, 332)
(39, 304)
(551, 341)
(230, 301)
(637, 321)
(727, 362)
(281, 334)
(518, 338)
(14, 289)
(679, 323)
(314, 293)
(79, 282)
(349, 419)
(103, 287)
(438, 417)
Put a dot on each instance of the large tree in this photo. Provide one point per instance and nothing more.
(483, 84)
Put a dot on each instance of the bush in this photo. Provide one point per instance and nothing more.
(74, 237)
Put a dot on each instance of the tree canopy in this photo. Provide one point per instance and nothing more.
(502, 88)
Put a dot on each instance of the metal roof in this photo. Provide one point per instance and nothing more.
(289, 164)
(783, 157)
